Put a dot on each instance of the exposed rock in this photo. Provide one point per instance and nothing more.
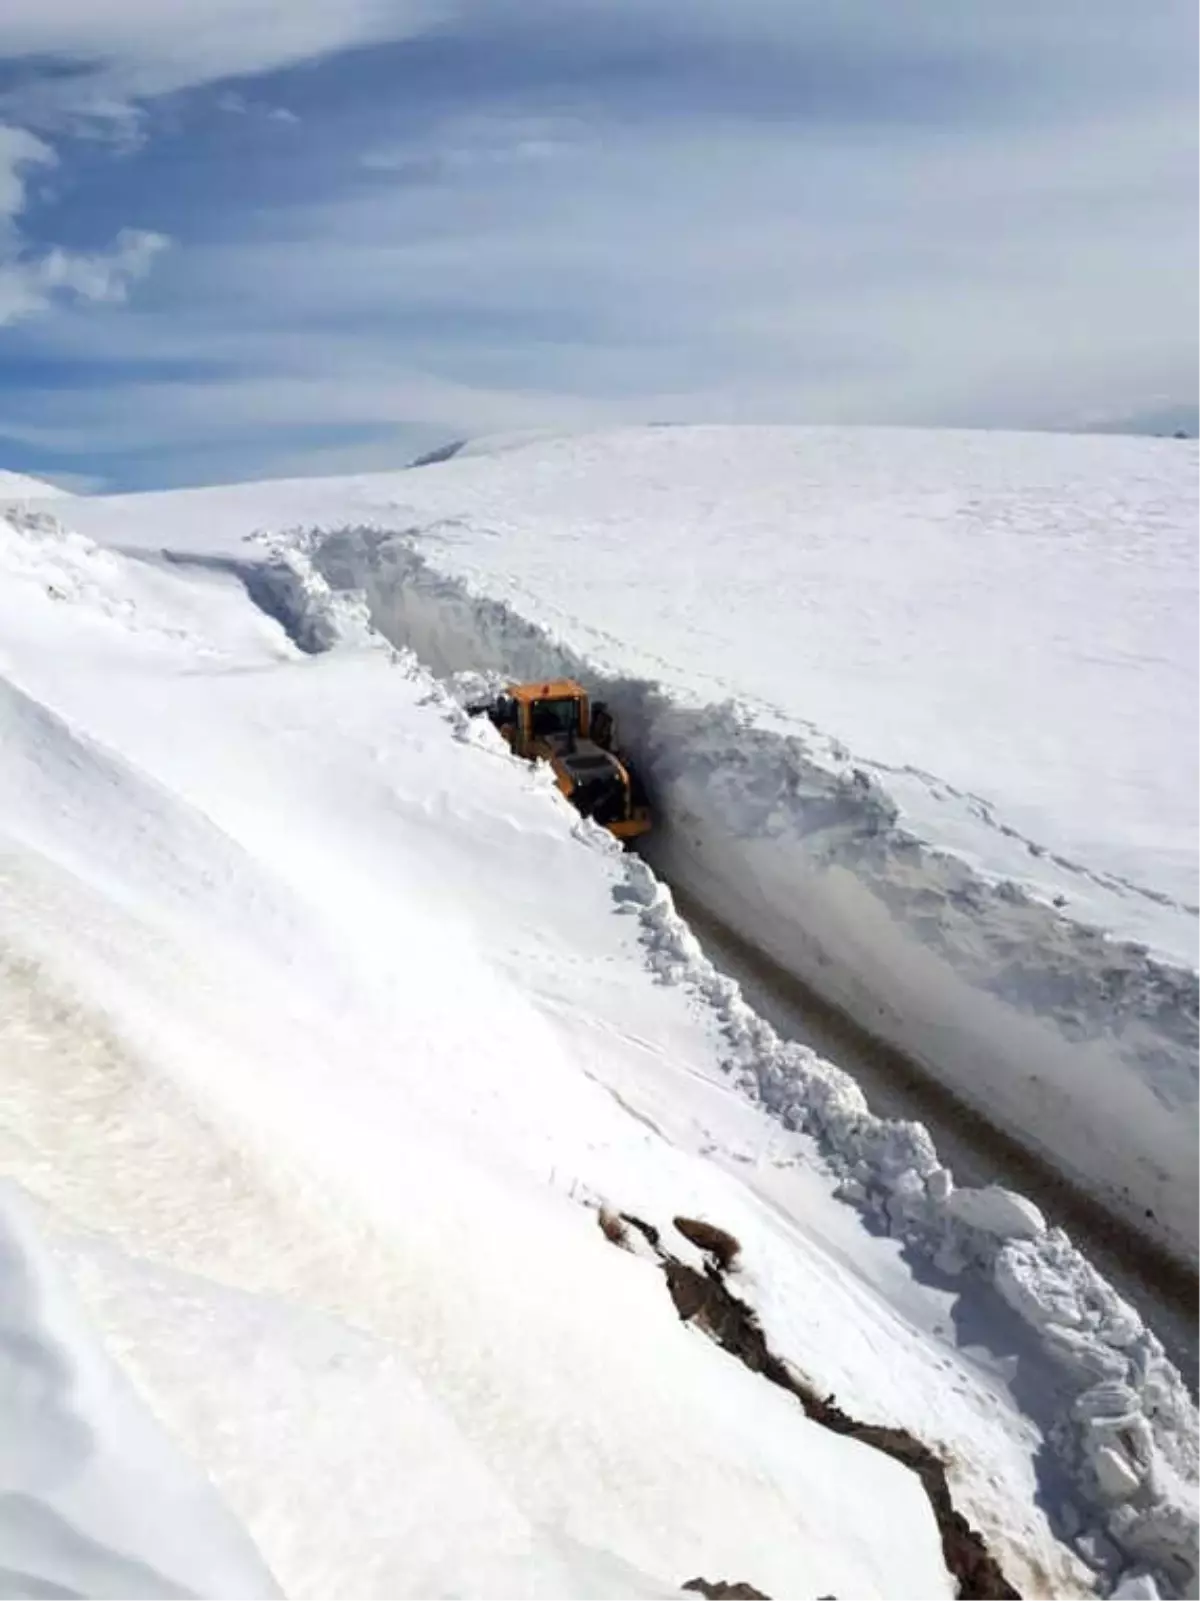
(723, 1590)
(705, 1299)
(714, 1242)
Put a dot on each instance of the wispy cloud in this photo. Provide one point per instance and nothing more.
(109, 54)
(520, 214)
(33, 281)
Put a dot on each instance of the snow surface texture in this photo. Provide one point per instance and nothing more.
(311, 1083)
(1120, 1428)
(94, 1498)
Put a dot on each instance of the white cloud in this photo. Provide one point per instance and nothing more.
(31, 282)
(1031, 263)
(103, 276)
(234, 104)
(132, 50)
(19, 151)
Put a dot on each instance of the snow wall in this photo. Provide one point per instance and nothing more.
(1080, 1046)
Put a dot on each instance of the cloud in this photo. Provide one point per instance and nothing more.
(466, 145)
(19, 151)
(117, 53)
(31, 281)
(234, 104)
(104, 276)
(530, 217)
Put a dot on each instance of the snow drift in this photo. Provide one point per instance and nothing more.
(95, 1499)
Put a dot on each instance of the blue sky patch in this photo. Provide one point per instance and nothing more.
(286, 237)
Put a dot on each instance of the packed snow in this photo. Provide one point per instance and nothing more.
(327, 1026)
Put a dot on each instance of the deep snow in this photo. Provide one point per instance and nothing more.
(919, 710)
(307, 1078)
(922, 712)
(324, 1020)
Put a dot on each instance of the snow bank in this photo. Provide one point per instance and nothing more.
(94, 1497)
(1080, 1045)
(1128, 1432)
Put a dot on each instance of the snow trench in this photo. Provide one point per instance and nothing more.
(1079, 1046)
(1122, 1426)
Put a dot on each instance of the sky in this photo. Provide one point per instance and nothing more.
(249, 238)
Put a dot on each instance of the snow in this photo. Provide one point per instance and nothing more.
(87, 1477)
(823, 646)
(313, 1146)
(327, 1024)
(18, 486)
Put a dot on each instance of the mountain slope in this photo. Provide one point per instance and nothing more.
(328, 1029)
(918, 709)
(18, 486)
(295, 1179)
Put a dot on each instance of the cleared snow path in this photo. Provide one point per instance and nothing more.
(976, 1152)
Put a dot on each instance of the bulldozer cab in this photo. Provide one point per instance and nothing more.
(550, 717)
(550, 712)
(555, 722)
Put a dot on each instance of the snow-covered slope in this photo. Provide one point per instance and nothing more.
(19, 486)
(325, 1029)
(919, 710)
(311, 1086)
(922, 712)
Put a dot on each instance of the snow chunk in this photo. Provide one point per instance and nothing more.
(1117, 1476)
(1135, 1586)
(993, 1210)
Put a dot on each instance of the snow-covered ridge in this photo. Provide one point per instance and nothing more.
(19, 486)
(1081, 1045)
